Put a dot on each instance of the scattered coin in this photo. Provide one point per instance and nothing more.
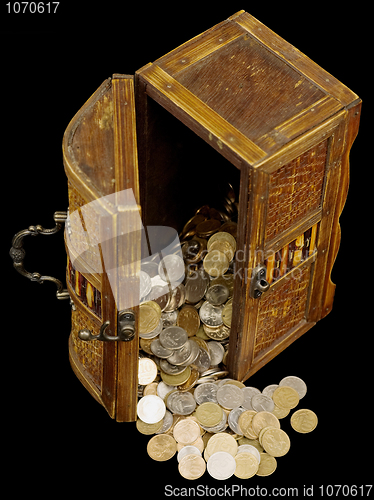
(147, 371)
(186, 431)
(192, 466)
(188, 450)
(297, 383)
(304, 421)
(181, 403)
(216, 263)
(275, 442)
(171, 268)
(267, 465)
(246, 465)
(222, 442)
(260, 402)
(173, 337)
(286, 397)
(230, 396)
(189, 320)
(209, 414)
(178, 379)
(151, 409)
(264, 419)
(162, 447)
(221, 465)
(149, 316)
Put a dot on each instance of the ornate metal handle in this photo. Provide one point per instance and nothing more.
(17, 253)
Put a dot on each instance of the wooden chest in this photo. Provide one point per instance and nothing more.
(239, 106)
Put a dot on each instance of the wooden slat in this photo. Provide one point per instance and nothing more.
(201, 46)
(295, 58)
(300, 123)
(215, 129)
(127, 245)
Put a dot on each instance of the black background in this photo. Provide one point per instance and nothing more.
(60, 438)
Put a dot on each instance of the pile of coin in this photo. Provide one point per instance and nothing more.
(222, 426)
(186, 302)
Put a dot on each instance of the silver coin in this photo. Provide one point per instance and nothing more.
(195, 349)
(161, 295)
(203, 361)
(269, 390)
(296, 383)
(217, 294)
(196, 285)
(260, 402)
(145, 284)
(221, 465)
(171, 268)
(159, 350)
(169, 318)
(164, 389)
(250, 449)
(211, 315)
(233, 419)
(188, 450)
(216, 352)
(173, 337)
(181, 403)
(151, 409)
(249, 392)
(180, 356)
(230, 396)
(206, 393)
(171, 369)
(168, 422)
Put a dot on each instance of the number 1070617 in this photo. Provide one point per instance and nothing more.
(32, 7)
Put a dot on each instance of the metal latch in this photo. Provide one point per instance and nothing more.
(125, 329)
(259, 285)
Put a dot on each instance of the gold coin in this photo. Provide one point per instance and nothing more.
(246, 465)
(264, 419)
(179, 379)
(209, 414)
(186, 431)
(192, 467)
(267, 466)
(215, 263)
(222, 442)
(304, 421)
(227, 313)
(149, 316)
(275, 442)
(189, 320)
(161, 447)
(260, 436)
(207, 228)
(222, 236)
(245, 424)
(191, 381)
(286, 397)
(150, 389)
(224, 247)
(145, 344)
(280, 412)
(148, 429)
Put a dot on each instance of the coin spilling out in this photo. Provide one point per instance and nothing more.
(207, 421)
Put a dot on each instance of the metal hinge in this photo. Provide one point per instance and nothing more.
(259, 285)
